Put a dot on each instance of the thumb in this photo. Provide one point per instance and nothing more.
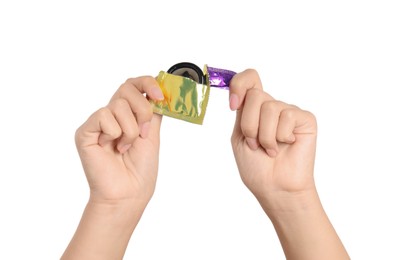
(240, 84)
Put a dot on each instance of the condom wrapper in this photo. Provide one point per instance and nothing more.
(219, 78)
(183, 98)
(186, 90)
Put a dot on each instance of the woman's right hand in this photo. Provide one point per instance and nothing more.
(119, 144)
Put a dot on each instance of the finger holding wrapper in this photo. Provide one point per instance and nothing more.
(186, 89)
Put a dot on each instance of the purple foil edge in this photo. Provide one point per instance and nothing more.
(220, 78)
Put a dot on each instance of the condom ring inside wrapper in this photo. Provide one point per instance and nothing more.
(186, 90)
(188, 70)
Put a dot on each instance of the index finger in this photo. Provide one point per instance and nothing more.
(240, 84)
(132, 91)
(147, 85)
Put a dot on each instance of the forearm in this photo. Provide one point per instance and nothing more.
(104, 231)
(304, 229)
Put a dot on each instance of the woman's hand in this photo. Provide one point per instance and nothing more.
(273, 142)
(119, 144)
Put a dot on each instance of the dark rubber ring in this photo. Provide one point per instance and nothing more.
(179, 69)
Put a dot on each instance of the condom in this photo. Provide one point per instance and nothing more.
(186, 90)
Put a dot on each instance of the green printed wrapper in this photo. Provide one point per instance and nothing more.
(184, 98)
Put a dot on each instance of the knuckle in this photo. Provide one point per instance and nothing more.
(312, 118)
(252, 72)
(130, 133)
(78, 136)
(288, 113)
(123, 89)
(144, 111)
(294, 106)
(103, 112)
(283, 137)
(145, 81)
(266, 141)
(271, 106)
(129, 80)
(120, 104)
(254, 93)
(249, 130)
(243, 76)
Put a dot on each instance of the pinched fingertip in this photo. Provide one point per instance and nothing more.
(271, 152)
(156, 93)
(123, 148)
(252, 143)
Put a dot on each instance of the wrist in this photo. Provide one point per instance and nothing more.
(119, 201)
(128, 209)
(104, 230)
(282, 203)
(303, 227)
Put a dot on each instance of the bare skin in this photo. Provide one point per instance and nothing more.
(118, 146)
(274, 145)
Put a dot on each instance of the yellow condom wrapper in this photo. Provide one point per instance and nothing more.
(184, 98)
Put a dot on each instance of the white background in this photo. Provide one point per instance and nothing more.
(61, 61)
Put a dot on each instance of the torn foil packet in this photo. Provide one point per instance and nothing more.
(186, 90)
(219, 78)
(183, 98)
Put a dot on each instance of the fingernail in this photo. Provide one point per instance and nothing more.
(124, 148)
(252, 143)
(144, 129)
(157, 93)
(271, 152)
(233, 102)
